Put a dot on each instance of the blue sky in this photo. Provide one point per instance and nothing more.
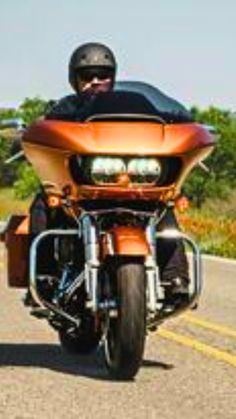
(185, 47)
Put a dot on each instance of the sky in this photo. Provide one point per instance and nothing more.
(184, 47)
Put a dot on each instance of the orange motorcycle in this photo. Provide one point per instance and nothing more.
(107, 182)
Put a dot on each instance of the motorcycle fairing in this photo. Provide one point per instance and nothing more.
(49, 145)
(119, 138)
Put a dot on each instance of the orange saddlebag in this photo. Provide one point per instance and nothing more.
(16, 238)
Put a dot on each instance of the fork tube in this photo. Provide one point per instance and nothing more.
(92, 262)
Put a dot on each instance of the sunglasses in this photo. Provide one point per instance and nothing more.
(88, 74)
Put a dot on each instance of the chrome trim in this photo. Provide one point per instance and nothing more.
(78, 281)
(15, 157)
(211, 129)
(120, 210)
(196, 279)
(155, 288)
(110, 244)
(109, 116)
(12, 123)
(89, 232)
(33, 273)
(150, 269)
(204, 167)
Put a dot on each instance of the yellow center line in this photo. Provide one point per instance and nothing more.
(199, 346)
(223, 330)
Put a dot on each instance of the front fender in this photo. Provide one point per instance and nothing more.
(129, 241)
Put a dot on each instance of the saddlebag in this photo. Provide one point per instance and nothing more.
(16, 238)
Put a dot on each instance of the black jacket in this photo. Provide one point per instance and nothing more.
(127, 97)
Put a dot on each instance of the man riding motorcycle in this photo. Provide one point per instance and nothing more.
(92, 71)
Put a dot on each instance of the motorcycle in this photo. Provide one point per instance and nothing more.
(107, 182)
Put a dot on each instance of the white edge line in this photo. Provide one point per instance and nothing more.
(219, 259)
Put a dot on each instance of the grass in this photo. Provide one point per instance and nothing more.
(213, 226)
(9, 204)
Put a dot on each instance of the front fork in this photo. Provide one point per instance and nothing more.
(92, 264)
(155, 290)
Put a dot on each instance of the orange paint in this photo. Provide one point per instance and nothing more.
(49, 145)
(23, 227)
(129, 241)
(119, 138)
(54, 201)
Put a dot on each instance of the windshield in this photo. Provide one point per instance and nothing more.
(137, 100)
(129, 100)
(165, 106)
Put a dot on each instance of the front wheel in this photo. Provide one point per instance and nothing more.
(125, 339)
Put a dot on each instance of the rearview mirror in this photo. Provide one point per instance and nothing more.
(211, 129)
(11, 128)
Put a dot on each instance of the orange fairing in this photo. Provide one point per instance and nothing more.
(129, 241)
(112, 138)
(49, 145)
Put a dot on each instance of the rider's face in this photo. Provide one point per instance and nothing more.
(94, 80)
(96, 85)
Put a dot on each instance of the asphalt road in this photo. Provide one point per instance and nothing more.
(189, 367)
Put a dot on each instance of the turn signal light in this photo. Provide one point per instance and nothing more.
(54, 201)
(182, 204)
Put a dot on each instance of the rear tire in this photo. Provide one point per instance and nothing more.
(125, 340)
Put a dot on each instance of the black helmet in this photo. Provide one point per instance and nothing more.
(91, 57)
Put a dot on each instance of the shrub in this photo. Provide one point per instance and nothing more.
(216, 235)
(27, 183)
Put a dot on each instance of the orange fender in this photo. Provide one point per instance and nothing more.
(129, 241)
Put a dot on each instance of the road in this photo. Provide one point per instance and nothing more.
(189, 367)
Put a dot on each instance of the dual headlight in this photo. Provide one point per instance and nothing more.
(105, 170)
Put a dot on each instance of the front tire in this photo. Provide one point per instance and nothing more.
(125, 340)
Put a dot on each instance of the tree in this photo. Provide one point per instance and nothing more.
(32, 109)
(7, 173)
(222, 162)
(27, 183)
(20, 174)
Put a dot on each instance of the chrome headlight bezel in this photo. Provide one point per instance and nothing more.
(145, 170)
(105, 170)
(80, 170)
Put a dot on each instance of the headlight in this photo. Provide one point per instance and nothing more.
(118, 171)
(144, 170)
(106, 169)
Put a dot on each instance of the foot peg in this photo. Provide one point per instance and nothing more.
(41, 313)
